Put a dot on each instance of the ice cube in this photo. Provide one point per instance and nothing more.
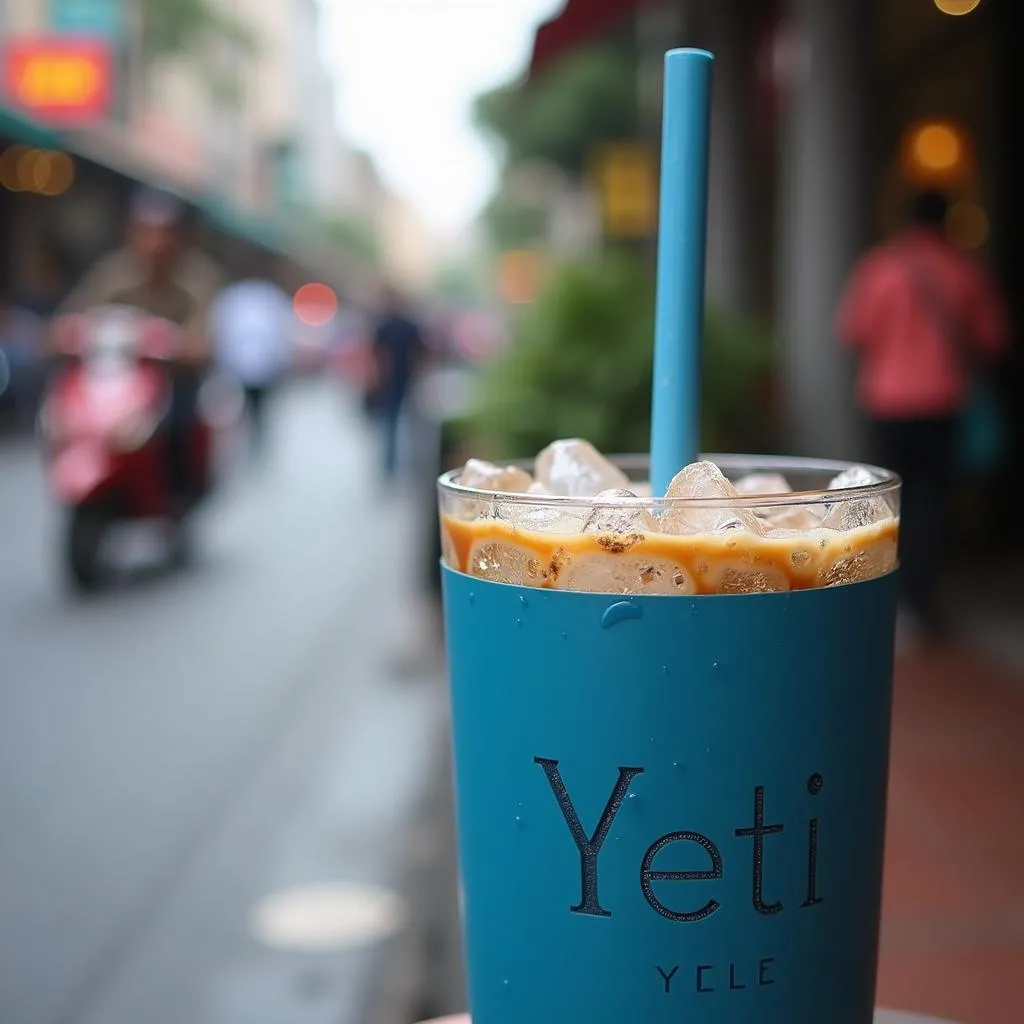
(576, 468)
(793, 517)
(626, 573)
(705, 480)
(543, 518)
(504, 562)
(610, 515)
(855, 476)
(860, 563)
(743, 579)
(849, 515)
(488, 477)
(763, 483)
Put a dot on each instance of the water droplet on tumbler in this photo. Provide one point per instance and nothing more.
(519, 622)
(519, 820)
(523, 601)
(714, 666)
(620, 612)
(565, 636)
(472, 598)
(664, 670)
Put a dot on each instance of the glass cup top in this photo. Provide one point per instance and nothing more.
(752, 525)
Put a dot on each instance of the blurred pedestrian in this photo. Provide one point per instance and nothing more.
(21, 355)
(924, 319)
(252, 324)
(399, 351)
(158, 273)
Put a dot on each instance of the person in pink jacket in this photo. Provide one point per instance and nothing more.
(922, 317)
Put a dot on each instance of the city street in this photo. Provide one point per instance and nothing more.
(175, 751)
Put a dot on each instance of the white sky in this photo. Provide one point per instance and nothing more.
(407, 72)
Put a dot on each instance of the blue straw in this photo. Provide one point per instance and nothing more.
(682, 234)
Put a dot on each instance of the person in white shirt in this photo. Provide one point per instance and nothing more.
(252, 325)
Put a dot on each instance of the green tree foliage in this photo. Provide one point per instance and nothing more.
(587, 98)
(581, 365)
(512, 223)
(199, 30)
(460, 283)
(353, 237)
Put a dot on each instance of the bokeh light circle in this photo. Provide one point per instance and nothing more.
(957, 8)
(937, 147)
(967, 224)
(315, 304)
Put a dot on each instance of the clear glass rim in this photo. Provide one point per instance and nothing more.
(887, 483)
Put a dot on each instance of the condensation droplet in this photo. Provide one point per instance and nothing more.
(620, 612)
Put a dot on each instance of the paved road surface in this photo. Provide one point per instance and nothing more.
(177, 749)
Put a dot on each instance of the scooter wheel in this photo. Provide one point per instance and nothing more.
(87, 526)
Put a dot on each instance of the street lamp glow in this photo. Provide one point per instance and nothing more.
(937, 154)
(956, 8)
(937, 147)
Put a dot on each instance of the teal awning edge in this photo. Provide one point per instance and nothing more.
(261, 230)
(19, 128)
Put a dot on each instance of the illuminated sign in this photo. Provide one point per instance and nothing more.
(627, 179)
(60, 79)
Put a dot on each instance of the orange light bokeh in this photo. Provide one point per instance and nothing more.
(956, 7)
(967, 224)
(937, 154)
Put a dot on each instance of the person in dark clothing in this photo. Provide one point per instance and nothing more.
(921, 316)
(398, 350)
(158, 274)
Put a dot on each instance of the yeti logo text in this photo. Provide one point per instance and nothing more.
(589, 848)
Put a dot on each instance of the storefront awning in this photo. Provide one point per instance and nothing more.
(18, 128)
(577, 23)
(261, 231)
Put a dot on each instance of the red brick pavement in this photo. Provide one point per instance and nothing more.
(953, 917)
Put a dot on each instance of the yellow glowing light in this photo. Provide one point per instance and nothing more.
(60, 81)
(60, 174)
(315, 304)
(9, 160)
(28, 169)
(956, 7)
(937, 147)
(967, 225)
(937, 154)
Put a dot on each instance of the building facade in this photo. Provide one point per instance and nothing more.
(814, 106)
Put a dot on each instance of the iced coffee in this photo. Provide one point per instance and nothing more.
(580, 521)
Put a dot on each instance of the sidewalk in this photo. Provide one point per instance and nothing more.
(953, 916)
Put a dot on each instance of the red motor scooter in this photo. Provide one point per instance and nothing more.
(103, 428)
